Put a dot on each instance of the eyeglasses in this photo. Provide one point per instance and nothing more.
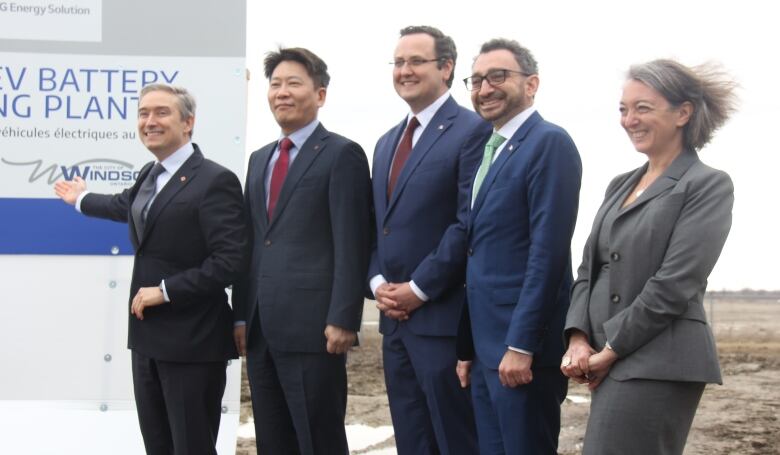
(413, 62)
(494, 78)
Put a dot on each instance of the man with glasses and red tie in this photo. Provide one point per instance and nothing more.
(422, 172)
(298, 310)
(518, 275)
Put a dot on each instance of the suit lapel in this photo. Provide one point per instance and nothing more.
(306, 156)
(382, 163)
(668, 179)
(512, 145)
(133, 192)
(440, 123)
(257, 185)
(614, 197)
(186, 173)
(609, 201)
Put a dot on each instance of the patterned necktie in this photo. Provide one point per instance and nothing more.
(401, 155)
(278, 175)
(142, 200)
(487, 159)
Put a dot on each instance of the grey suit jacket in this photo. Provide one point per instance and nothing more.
(662, 249)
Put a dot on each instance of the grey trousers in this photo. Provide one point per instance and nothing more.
(641, 416)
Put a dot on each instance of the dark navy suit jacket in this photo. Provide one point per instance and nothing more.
(519, 235)
(308, 262)
(421, 230)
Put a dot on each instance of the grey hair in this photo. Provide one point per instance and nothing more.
(522, 55)
(707, 87)
(184, 99)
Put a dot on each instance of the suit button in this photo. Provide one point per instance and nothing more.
(615, 298)
(386, 231)
(615, 257)
(267, 243)
(470, 252)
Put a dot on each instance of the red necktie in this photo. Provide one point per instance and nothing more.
(278, 174)
(401, 155)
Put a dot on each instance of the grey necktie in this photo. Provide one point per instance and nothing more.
(145, 194)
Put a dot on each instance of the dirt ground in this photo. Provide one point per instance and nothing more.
(740, 417)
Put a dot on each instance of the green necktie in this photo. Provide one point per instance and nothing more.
(487, 159)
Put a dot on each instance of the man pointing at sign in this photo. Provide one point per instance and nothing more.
(186, 225)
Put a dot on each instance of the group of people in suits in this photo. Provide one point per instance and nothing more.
(461, 235)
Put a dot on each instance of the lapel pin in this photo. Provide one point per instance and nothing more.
(441, 127)
(183, 178)
(511, 146)
(317, 147)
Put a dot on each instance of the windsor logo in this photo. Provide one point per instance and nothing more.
(113, 172)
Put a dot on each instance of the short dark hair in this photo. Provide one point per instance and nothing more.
(315, 66)
(523, 56)
(709, 89)
(443, 45)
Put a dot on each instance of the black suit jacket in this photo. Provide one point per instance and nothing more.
(195, 240)
(309, 262)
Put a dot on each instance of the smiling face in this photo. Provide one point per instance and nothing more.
(653, 125)
(160, 124)
(501, 103)
(292, 96)
(419, 84)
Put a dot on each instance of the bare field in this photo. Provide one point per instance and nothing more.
(740, 417)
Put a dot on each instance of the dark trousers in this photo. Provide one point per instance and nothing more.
(299, 400)
(524, 420)
(179, 404)
(431, 413)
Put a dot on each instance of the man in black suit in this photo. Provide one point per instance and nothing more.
(187, 227)
(307, 198)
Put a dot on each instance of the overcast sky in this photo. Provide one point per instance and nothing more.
(583, 50)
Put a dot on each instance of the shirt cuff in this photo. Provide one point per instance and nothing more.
(418, 292)
(521, 351)
(609, 346)
(79, 199)
(239, 323)
(165, 293)
(375, 282)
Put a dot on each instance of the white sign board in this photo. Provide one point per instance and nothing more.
(68, 104)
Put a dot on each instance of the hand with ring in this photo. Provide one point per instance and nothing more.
(574, 363)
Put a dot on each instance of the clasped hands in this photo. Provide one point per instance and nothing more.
(397, 300)
(583, 364)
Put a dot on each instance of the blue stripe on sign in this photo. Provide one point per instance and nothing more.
(50, 226)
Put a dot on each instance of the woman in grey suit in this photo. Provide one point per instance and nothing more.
(636, 329)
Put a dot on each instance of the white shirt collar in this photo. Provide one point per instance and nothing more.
(177, 158)
(426, 115)
(510, 128)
